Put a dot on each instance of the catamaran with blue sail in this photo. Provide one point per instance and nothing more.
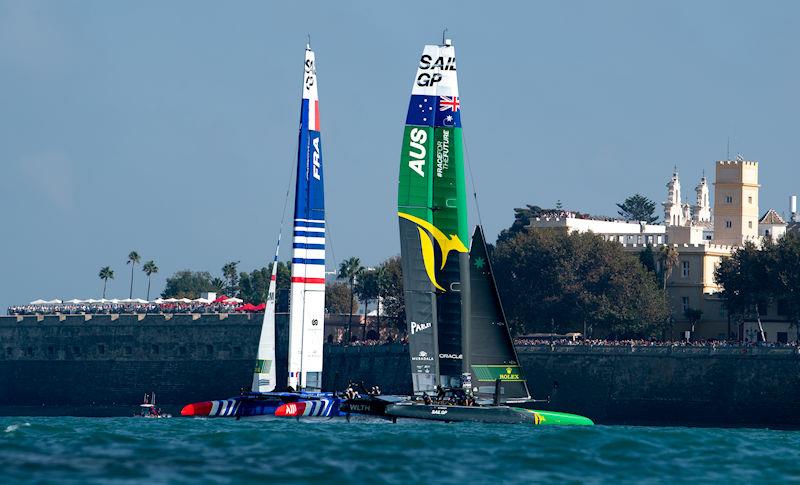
(301, 394)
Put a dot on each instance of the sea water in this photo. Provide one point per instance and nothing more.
(196, 451)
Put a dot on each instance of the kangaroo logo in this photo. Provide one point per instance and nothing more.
(427, 233)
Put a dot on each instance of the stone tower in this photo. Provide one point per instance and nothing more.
(736, 202)
(702, 208)
(673, 212)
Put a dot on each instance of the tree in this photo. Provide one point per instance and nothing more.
(638, 208)
(149, 269)
(570, 279)
(133, 259)
(522, 218)
(231, 275)
(218, 285)
(391, 291)
(349, 270)
(254, 286)
(787, 275)
(105, 274)
(188, 284)
(648, 259)
(367, 291)
(694, 316)
(338, 299)
(749, 281)
(668, 257)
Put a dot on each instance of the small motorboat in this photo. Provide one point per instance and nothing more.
(148, 408)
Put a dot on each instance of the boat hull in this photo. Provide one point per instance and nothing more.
(282, 404)
(484, 414)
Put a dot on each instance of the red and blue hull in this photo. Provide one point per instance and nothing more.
(281, 404)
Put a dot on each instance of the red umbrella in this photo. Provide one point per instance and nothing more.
(247, 307)
(260, 307)
(220, 298)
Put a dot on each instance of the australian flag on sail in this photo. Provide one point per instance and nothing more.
(449, 112)
(426, 110)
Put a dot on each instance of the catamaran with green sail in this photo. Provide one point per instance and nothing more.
(463, 363)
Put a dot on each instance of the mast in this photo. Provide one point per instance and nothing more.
(307, 308)
(264, 373)
(433, 220)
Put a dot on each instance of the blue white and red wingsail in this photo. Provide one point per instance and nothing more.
(306, 328)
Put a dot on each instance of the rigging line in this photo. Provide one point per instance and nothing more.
(471, 176)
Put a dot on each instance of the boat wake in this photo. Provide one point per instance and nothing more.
(13, 427)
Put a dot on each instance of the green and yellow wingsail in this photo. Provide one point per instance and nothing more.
(432, 212)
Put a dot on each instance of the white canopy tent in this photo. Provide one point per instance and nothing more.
(38, 302)
(232, 300)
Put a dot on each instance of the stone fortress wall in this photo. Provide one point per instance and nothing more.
(104, 364)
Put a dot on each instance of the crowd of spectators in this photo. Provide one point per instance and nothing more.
(705, 343)
(111, 307)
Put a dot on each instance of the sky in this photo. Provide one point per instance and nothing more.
(169, 128)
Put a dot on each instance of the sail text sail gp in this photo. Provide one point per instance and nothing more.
(433, 217)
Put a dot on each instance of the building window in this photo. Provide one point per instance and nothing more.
(685, 266)
(728, 199)
(76, 350)
(128, 350)
(155, 349)
(728, 224)
(209, 349)
(182, 350)
(685, 301)
(9, 351)
(29, 351)
(101, 349)
(750, 199)
(749, 224)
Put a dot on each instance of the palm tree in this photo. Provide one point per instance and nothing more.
(133, 258)
(149, 269)
(350, 269)
(668, 256)
(367, 290)
(105, 274)
(230, 274)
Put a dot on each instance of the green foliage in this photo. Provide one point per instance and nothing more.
(105, 274)
(390, 281)
(338, 300)
(350, 269)
(522, 217)
(133, 259)
(188, 284)
(753, 276)
(231, 275)
(694, 315)
(638, 208)
(254, 286)
(577, 279)
(668, 258)
(367, 286)
(149, 269)
(648, 259)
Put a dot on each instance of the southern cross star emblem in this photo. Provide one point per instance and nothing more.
(479, 262)
(508, 370)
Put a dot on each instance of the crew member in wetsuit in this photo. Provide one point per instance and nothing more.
(426, 399)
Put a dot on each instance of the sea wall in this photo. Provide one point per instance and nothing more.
(104, 364)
